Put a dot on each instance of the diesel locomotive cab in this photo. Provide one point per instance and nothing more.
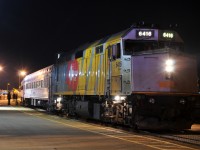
(149, 40)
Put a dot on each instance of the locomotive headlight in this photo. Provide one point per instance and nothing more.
(169, 62)
(119, 98)
(182, 101)
(123, 98)
(169, 65)
(169, 68)
(58, 99)
(152, 100)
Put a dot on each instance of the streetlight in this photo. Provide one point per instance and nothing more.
(1, 68)
(21, 73)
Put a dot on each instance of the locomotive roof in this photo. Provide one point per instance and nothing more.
(38, 72)
(103, 40)
(125, 34)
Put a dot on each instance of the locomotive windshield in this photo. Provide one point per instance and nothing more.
(132, 46)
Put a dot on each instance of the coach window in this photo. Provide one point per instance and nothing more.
(37, 84)
(42, 83)
(45, 82)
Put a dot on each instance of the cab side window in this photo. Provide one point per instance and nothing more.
(114, 51)
(99, 49)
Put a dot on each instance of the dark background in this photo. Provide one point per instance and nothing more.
(33, 31)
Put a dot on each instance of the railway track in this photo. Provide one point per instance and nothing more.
(189, 137)
(184, 136)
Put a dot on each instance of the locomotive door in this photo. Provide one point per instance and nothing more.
(82, 63)
(90, 65)
(100, 70)
(100, 73)
(114, 55)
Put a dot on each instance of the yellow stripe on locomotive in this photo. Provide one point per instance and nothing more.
(93, 70)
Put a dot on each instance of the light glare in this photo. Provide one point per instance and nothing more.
(22, 73)
(117, 98)
(169, 68)
(169, 65)
(59, 99)
(169, 62)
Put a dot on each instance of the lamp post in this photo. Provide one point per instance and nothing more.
(7, 86)
(1, 68)
(21, 73)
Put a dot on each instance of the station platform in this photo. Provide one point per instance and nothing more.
(4, 102)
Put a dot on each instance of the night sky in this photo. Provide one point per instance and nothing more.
(33, 31)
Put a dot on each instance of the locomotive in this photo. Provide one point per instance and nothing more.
(140, 77)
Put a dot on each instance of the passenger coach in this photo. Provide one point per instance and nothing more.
(37, 87)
